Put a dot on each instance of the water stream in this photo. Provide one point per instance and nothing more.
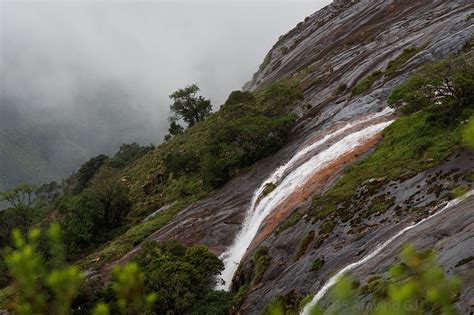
(293, 176)
(333, 280)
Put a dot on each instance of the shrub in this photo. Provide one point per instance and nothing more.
(262, 261)
(182, 277)
(366, 83)
(317, 264)
(403, 58)
(86, 173)
(341, 88)
(444, 88)
(304, 243)
(289, 222)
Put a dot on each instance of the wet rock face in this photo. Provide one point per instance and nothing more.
(349, 241)
(328, 54)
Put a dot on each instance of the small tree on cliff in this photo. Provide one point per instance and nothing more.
(189, 107)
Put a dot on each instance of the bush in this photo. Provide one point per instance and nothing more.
(443, 88)
(317, 264)
(182, 277)
(304, 243)
(366, 83)
(87, 171)
(89, 218)
(262, 261)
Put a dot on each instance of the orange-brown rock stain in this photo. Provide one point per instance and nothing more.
(312, 186)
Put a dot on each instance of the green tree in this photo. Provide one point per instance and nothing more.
(21, 195)
(49, 192)
(446, 86)
(21, 200)
(89, 218)
(174, 129)
(86, 173)
(189, 107)
(183, 278)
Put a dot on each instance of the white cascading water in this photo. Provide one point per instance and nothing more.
(260, 207)
(333, 280)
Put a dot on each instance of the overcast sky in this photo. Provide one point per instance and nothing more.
(71, 62)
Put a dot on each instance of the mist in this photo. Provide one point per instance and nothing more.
(79, 78)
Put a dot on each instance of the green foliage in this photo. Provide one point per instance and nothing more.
(128, 283)
(127, 154)
(304, 243)
(19, 196)
(182, 278)
(262, 261)
(289, 222)
(366, 83)
(269, 187)
(317, 264)
(189, 107)
(402, 59)
(250, 127)
(49, 192)
(86, 173)
(410, 144)
(417, 280)
(288, 304)
(266, 61)
(174, 129)
(468, 134)
(88, 218)
(49, 286)
(445, 87)
(42, 290)
(22, 212)
(136, 234)
(460, 191)
(341, 88)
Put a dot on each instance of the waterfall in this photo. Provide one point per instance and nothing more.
(289, 178)
(333, 280)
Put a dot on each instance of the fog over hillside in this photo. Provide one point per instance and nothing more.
(80, 78)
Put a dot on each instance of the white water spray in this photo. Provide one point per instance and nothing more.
(332, 281)
(260, 207)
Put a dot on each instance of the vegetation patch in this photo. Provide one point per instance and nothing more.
(134, 236)
(402, 59)
(289, 222)
(366, 83)
(317, 264)
(269, 187)
(341, 88)
(417, 280)
(380, 205)
(288, 304)
(266, 61)
(262, 261)
(427, 136)
(460, 190)
(304, 243)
